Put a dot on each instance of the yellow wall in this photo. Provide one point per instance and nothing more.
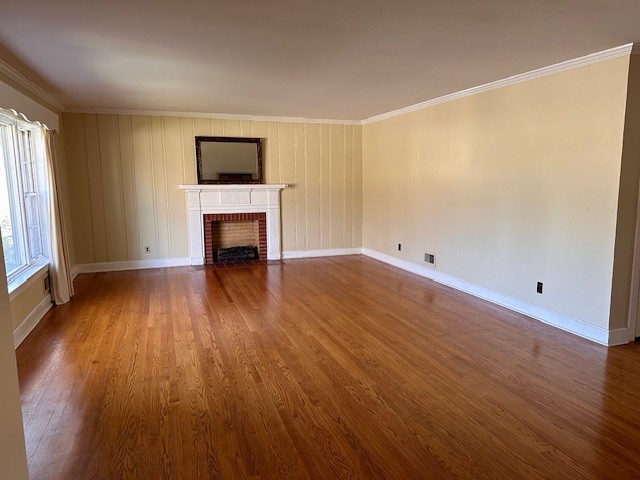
(29, 298)
(13, 458)
(507, 188)
(124, 173)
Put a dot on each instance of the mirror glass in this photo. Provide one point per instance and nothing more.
(229, 160)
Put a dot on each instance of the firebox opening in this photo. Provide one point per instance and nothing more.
(235, 237)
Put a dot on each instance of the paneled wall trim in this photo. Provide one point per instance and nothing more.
(124, 172)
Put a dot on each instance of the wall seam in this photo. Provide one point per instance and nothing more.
(153, 185)
(104, 210)
(166, 184)
(133, 188)
(122, 202)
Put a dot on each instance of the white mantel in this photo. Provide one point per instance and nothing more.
(250, 198)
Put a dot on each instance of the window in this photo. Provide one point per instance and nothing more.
(22, 195)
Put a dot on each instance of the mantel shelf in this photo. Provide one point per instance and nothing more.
(235, 187)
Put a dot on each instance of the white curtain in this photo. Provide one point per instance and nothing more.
(59, 270)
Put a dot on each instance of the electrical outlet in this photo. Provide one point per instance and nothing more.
(147, 249)
(399, 247)
(539, 287)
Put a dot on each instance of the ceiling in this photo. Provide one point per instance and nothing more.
(327, 59)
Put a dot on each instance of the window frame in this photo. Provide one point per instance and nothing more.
(15, 168)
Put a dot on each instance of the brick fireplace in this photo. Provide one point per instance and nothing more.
(207, 204)
(223, 230)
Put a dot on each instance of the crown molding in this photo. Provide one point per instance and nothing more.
(24, 82)
(216, 116)
(621, 51)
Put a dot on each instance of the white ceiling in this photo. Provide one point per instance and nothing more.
(318, 59)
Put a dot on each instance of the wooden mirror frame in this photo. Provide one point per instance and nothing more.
(257, 141)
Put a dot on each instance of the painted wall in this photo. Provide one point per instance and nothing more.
(508, 187)
(124, 173)
(13, 457)
(28, 300)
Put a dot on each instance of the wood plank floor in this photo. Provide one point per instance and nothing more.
(333, 368)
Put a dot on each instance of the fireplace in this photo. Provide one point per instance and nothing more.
(225, 230)
(233, 203)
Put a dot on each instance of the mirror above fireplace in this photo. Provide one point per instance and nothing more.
(229, 160)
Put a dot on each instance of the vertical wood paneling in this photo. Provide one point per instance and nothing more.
(145, 198)
(347, 234)
(217, 128)
(130, 211)
(312, 154)
(300, 191)
(288, 175)
(176, 197)
(357, 187)
(94, 172)
(202, 127)
(125, 172)
(161, 191)
(232, 128)
(188, 150)
(79, 195)
(272, 165)
(325, 186)
(336, 181)
(112, 188)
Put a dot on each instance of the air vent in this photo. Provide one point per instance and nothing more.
(430, 258)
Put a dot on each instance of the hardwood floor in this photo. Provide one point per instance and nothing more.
(321, 368)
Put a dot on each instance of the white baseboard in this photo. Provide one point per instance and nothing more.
(558, 320)
(74, 272)
(186, 261)
(619, 336)
(332, 252)
(30, 322)
(131, 265)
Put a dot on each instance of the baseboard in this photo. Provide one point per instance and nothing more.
(558, 320)
(131, 265)
(331, 252)
(186, 261)
(619, 336)
(74, 272)
(30, 322)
